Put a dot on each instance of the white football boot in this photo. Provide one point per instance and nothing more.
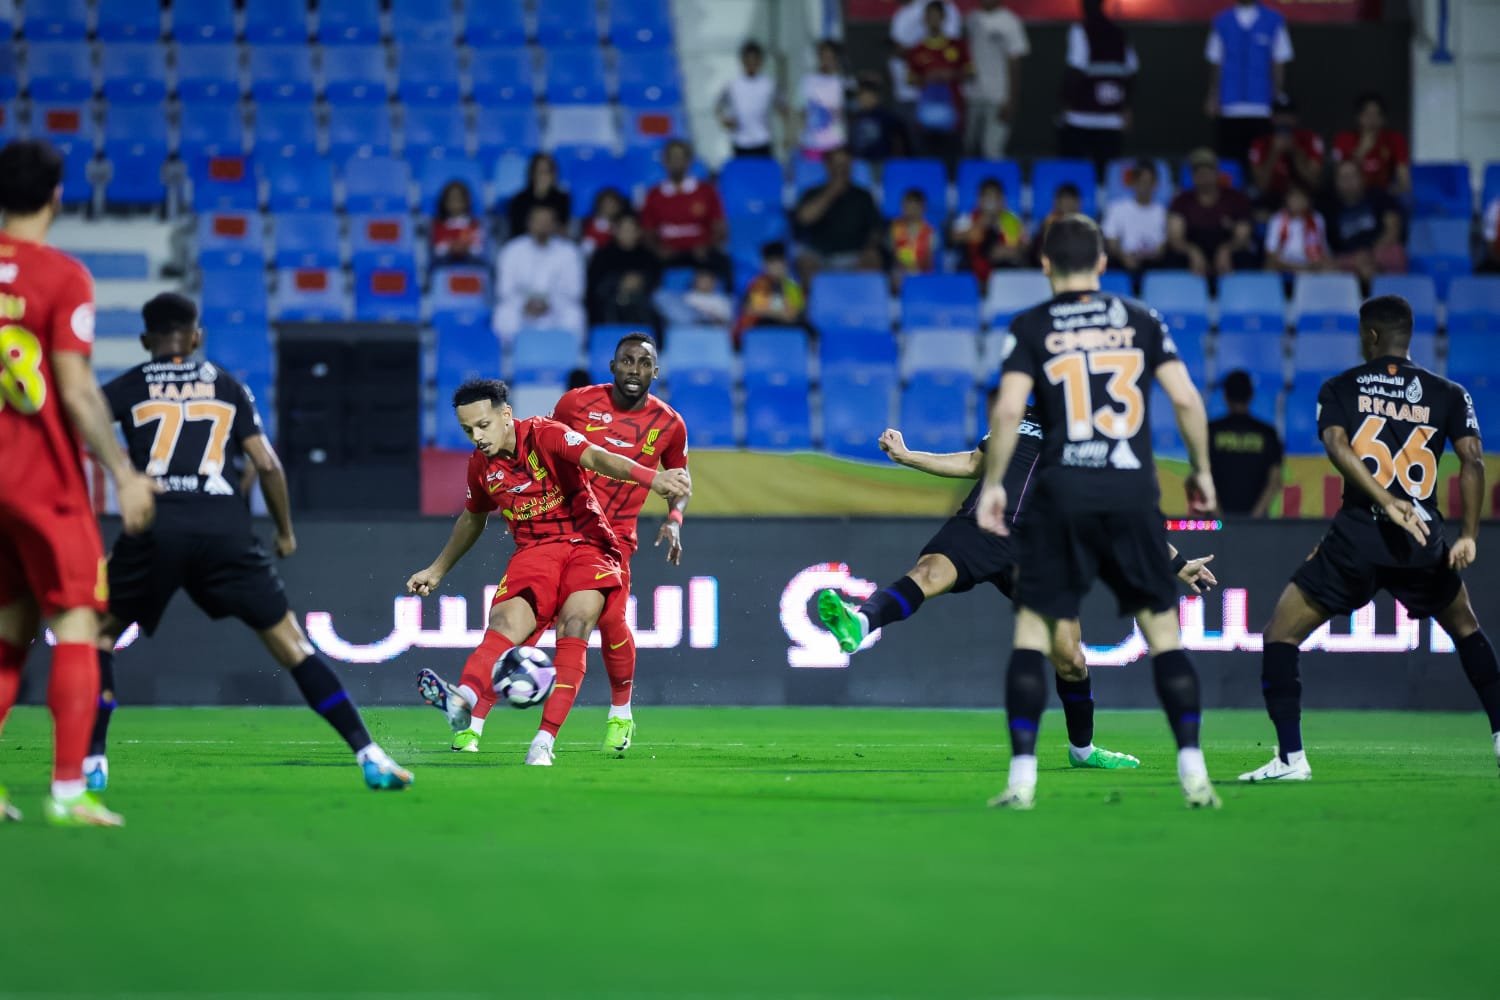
(1294, 768)
(1199, 792)
(1015, 797)
(540, 753)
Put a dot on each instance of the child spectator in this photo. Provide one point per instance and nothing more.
(1296, 238)
(457, 236)
(913, 241)
(598, 230)
(876, 133)
(706, 301)
(992, 235)
(823, 104)
(1135, 228)
(774, 298)
(746, 104)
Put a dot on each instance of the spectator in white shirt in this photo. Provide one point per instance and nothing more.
(1296, 238)
(746, 104)
(540, 280)
(1135, 228)
(997, 44)
(822, 104)
(908, 29)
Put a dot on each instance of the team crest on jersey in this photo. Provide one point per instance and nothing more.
(1117, 316)
(603, 418)
(649, 448)
(1414, 390)
(574, 439)
(533, 460)
(207, 372)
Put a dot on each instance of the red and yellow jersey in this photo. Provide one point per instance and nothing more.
(543, 492)
(653, 435)
(46, 307)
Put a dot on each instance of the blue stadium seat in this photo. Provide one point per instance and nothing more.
(355, 74)
(972, 173)
(246, 353)
(927, 176)
(56, 20)
(1441, 190)
(940, 300)
(466, 348)
(133, 72)
(10, 124)
(1011, 292)
(585, 176)
(1474, 305)
(1327, 302)
(117, 323)
(116, 265)
(233, 298)
(223, 184)
(1182, 299)
(135, 144)
(59, 71)
(387, 295)
(203, 22)
(128, 21)
(1424, 349)
(582, 126)
(1439, 248)
(503, 76)
(376, 184)
(1120, 175)
(286, 130)
(310, 295)
(229, 240)
(543, 355)
(495, 24)
(1192, 349)
(210, 130)
(567, 23)
(273, 22)
(1302, 416)
(1252, 303)
(576, 76)
(705, 400)
(1471, 363)
(951, 353)
(776, 355)
(644, 24)
(1117, 283)
(294, 186)
(751, 186)
(601, 350)
(649, 78)
(349, 22)
(850, 300)
(282, 73)
(1490, 188)
(698, 348)
(935, 412)
(1166, 442)
(650, 128)
(1323, 353)
(778, 417)
(434, 133)
(1417, 289)
(508, 177)
(501, 130)
(10, 69)
(382, 240)
(856, 409)
(423, 22)
(209, 73)
(434, 175)
(356, 130)
(135, 124)
(1257, 352)
(460, 290)
(307, 240)
(1048, 175)
(427, 74)
(856, 353)
(808, 174)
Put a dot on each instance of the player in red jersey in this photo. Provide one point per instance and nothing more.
(566, 559)
(51, 558)
(624, 418)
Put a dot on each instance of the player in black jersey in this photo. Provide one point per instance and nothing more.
(192, 426)
(1093, 509)
(1384, 424)
(961, 556)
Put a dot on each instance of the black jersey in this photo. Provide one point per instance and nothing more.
(1398, 417)
(1018, 474)
(185, 423)
(1092, 357)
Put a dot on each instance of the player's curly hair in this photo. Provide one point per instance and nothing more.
(480, 389)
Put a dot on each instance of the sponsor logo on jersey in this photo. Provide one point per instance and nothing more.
(620, 444)
(1414, 390)
(521, 488)
(1028, 428)
(1122, 457)
(9, 273)
(604, 418)
(1471, 419)
(83, 322)
(574, 439)
(1117, 315)
(1086, 454)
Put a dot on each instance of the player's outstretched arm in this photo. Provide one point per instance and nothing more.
(1005, 425)
(1192, 423)
(949, 465)
(1470, 451)
(89, 411)
(1353, 469)
(674, 484)
(267, 465)
(466, 531)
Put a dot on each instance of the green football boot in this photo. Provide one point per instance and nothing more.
(8, 812)
(82, 810)
(1107, 760)
(466, 741)
(617, 735)
(842, 620)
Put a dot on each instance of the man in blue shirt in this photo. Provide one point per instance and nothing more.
(1248, 49)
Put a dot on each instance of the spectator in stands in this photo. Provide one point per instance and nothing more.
(939, 67)
(876, 133)
(1364, 226)
(541, 189)
(457, 235)
(1097, 85)
(838, 224)
(598, 229)
(1382, 153)
(773, 298)
(997, 43)
(822, 104)
(747, 102)
(1066, 200)
(1208, 227)
(1248, 48)
(578, 378)
(1296, 236)
(1490, 262)
(1244, 453)
(992, 235)
(623, 276)
(705, 300)
(540, 279)
(683, 217)
(1135, 228)
(908, 28)
(1287, 154)
(912, 241)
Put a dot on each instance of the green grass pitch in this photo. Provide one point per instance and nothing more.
(755, 853)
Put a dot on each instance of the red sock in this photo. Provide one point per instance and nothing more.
(479, 671)
(12, 659)
(619, 661)
(73, 696)
(571, 661)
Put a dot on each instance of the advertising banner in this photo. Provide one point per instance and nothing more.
(1143, 10)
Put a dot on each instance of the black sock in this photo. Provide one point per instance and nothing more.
(1025, 698)
(1282, 687)
(1483, 671)
(895, 603)
(99, 739)
(1177, 687)
(1078, 708)
(320, 686)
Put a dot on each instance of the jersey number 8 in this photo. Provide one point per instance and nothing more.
(1124, 368)
(1414, 457)
(21, 384)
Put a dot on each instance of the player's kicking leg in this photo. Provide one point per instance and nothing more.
(467, 704)
(851, 624)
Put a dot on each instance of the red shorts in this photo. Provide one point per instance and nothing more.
(545, 575)
(52, 554)
(615, 602)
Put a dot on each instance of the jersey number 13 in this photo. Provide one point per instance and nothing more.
(1124, 368)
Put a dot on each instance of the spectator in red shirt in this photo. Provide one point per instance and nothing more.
(1382, 153)
(457, 236)
(1208, 226)
(1287, 154)
(913, 241)
(598, 228)
(939, 66)
(684, 219)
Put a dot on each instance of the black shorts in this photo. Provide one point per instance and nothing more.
(979, 556)
(1360, 557)
(224, 575)
(1061, 553)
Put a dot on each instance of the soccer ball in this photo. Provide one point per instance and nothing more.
(524, 677)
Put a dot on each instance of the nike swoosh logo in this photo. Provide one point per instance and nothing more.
(617, 645)
(600, 576)
(591, 427)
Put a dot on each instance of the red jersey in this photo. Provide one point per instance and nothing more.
(682, 215)
(542, 490)
(46, 306)
(1307, 142)
(1380, 160)
(912, 244)
(927, 60)
(653, 435)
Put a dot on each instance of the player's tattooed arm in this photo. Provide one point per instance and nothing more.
(89, 412)
(466, 531)
(1353, 469)
(264, 460)
(674, 484)
(1470, 451)
(949, 465)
